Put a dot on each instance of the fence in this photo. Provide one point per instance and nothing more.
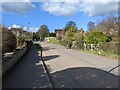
(91, 47)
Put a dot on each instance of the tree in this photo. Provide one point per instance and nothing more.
(70, 29)
(79, 40)
(95, 37)
(91, 25)
(8, 40)
(43, 31)
(70, 24)
(52, 34)
(108, 23)
(70, 33)
(20, 41)
(35, 36)
(110, 27)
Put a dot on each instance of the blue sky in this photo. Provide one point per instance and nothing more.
(53, 14)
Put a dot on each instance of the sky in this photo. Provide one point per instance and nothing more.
(31, 14)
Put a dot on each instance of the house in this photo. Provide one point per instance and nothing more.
(59, 32)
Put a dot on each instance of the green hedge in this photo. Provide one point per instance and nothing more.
(111, 47)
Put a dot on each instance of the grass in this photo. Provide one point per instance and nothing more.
(102, 53)
(38, 46)
(52, 40)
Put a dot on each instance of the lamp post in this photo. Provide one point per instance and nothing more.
(28, 27)
(28, 36)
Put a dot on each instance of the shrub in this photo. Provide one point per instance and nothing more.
(20, 41)
(65, 39)
(111, 47)
(79, 41)
(8, 40)
(79, 44)
(63, 42)
(59, 38)
(95, 37)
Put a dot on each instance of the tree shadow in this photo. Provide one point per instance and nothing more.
(47, 48)
(84, 77)
(46, 58)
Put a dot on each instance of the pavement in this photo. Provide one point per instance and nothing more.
(28, 73)
(74, 69)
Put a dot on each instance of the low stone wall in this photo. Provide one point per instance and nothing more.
(9, 61)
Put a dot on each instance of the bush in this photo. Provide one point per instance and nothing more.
(20, 41)
(79, 41)
(111, 47)
(78, 44)
(63, 42)
(8, 40)
(59, 38)
(95, 37)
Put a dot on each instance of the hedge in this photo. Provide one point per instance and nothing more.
(8, 40)
(111, 47)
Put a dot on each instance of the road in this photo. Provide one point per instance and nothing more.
(67, 68)
(73, 69)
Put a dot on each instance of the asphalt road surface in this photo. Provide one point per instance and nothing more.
(75, 69)
(68, 68)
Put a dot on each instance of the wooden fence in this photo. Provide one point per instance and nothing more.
(91, 46)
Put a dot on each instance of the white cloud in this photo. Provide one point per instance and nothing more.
(58, 8)
(16, 7)
(15, 26)
(33, 29)
(9, 27)
(24, 28)
(88, 7)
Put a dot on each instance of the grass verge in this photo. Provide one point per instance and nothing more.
(102, 53)
(38, 46)
(52, 40)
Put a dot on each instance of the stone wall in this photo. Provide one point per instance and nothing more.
(9, 61)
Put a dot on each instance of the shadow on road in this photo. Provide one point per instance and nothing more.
(47, 48)
(45, 58)
(84, 77)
